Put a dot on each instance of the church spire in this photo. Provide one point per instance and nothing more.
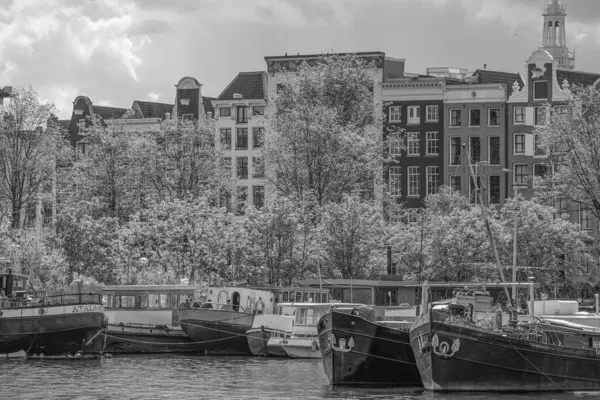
(554, 37)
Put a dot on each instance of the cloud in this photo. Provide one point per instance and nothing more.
(154, 96)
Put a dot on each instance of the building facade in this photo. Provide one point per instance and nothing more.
(240, 126)
(413, 132)
(475, 126)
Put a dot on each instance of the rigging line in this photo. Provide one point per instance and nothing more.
(533, 365)
(170, 344)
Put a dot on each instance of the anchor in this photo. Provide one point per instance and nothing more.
(443, 349)
(341, 346)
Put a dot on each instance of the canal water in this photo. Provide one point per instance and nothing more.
(181, 377)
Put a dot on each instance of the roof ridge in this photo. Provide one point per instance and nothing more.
(153, 102)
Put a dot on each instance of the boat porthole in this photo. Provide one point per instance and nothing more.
(41, 311)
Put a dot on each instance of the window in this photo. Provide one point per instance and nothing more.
(242, 167)
(585, 219)
(433, 113)
(81, 147)
(395, 114)
(226, 138)
(433, 143)
(473, 193)
(242, 114)
(414, 115)
(455, 118)
(225, 111)
(519, 115)
(540, 90)
(519, 143)
(520, 175)
(540, 171)
(540, 115)
(474, 116)
(475, 149)
(280, 87)
(433, 177)
(493, 117)
(257, 137)
(241, 140)
(242, 195)
(395, 179)
(258, 195)
(81, 126)
(455, 147)
(395, 144)
(455, 183)
(187, 117)
(414, 147)
(494, 150)
(258, 167)
(562, 208)
(226, 165)
(258, 110)
(494, 191)
(539, 150)
(413, 181)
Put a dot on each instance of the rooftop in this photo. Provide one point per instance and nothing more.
(489, 76)
(151, 109)
(576, 77)
(251, 85)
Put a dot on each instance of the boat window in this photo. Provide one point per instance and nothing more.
(164, 300)
(285, 297)
(305, 296)
(311, 297)
(125, 301)
(107, 300)
(310, 315)
(153, 300)
(174, 300)
(141, 301)
(298, 297)
(300, 316)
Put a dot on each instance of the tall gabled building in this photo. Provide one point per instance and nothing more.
(239, 123)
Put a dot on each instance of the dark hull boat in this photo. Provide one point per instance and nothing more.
(130, 338)
(52, 329)
(217, 331)
(359, 351)
(454, 354)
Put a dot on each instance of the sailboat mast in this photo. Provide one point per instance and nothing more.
(485, 218)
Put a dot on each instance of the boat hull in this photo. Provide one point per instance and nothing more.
(453, 357)
(217, 331)
(150, 339)
(302, 348)
(52, 330)
(356, 351)
(257, 341)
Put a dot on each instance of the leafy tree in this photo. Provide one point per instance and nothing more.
(29, 148)
(322, 135)
(351, 239)
(572, 140)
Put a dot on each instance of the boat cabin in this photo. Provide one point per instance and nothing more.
(12, 285)
(145, 304)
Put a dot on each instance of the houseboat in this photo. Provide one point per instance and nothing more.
(65, 321)
(143, 318)
(220, 325)
(463, 345)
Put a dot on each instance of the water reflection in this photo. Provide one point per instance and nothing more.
(198, 377)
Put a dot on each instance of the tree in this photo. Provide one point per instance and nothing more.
(29, 148)
(572, 141)
(182, 161)
(111, 171)
(351, 239)
(322, 136)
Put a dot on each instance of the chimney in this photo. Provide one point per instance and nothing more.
(484, 66)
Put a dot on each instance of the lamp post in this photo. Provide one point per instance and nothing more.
(514, 266)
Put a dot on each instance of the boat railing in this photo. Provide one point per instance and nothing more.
(213, 306)
(56, 300)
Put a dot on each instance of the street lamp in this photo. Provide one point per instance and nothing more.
(514, 268)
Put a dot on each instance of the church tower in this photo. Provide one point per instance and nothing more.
(554, 39)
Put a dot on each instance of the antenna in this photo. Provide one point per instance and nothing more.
(529, 37)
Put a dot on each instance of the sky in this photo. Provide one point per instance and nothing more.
(118, 51)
